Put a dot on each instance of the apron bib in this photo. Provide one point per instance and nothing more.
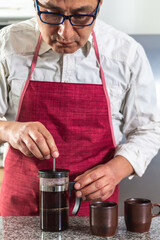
(79, 118)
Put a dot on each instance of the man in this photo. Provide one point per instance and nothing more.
(69, 86)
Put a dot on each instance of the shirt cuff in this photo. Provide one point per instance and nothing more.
(134, 156)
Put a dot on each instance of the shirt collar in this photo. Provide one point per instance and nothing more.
(86, 48)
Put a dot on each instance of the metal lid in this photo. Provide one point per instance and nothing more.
(58, 173)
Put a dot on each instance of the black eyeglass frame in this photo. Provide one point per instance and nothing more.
(68, 16)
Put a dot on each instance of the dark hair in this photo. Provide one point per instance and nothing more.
(35, 4)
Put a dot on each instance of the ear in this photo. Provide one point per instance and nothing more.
(34, 4)
(101, 3)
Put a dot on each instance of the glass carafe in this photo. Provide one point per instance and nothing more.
(54, 199)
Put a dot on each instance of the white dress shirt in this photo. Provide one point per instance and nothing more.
(129, 81)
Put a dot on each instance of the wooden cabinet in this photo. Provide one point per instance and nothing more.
(1, 175)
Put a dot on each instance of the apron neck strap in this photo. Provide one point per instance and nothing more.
(34, 61)
(98, 58)
(101, 70)
(104, 85)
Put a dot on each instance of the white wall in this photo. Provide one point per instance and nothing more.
(132, 16)
(16, 9)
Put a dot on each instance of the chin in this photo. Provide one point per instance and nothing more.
(66, 49)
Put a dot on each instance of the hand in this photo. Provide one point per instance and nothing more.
(99, 182)
(31, 138)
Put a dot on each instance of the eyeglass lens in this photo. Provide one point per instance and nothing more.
(57, 19)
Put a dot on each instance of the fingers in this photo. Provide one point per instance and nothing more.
(101, 195)
(35, 146)
(100, 192)
(23, 148)
(32, 139)
(53, 150)
(94, 187)
(96, 184)
(89, 177)
(43, 145)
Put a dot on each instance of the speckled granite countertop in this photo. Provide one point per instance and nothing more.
(27, 228)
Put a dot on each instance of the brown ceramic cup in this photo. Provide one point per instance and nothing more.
(138, 214)
(103, 218)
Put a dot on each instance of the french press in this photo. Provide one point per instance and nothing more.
(55, 189)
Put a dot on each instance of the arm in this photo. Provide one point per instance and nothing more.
(142, 130)
(99, 182)
(141, 117)
(31, 138)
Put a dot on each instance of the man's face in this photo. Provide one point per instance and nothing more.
(66, 38)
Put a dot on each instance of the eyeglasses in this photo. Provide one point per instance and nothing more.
(79, 20)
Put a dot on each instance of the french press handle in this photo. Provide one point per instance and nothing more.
(78, 200)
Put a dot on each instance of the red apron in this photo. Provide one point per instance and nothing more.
(79, 118)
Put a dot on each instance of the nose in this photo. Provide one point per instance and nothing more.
(66, 30)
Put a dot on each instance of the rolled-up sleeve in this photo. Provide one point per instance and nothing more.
(141, 116)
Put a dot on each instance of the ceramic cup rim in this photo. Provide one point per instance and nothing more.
(134, 201)
(103, 204)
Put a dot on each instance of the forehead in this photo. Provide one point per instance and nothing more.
(70, 3)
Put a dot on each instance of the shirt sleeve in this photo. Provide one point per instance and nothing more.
(3, 90)
(4, 72)
(141, 116)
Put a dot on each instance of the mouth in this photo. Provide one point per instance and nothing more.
(65, 44)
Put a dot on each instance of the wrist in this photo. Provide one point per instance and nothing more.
(4, 126)
(120, 167)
